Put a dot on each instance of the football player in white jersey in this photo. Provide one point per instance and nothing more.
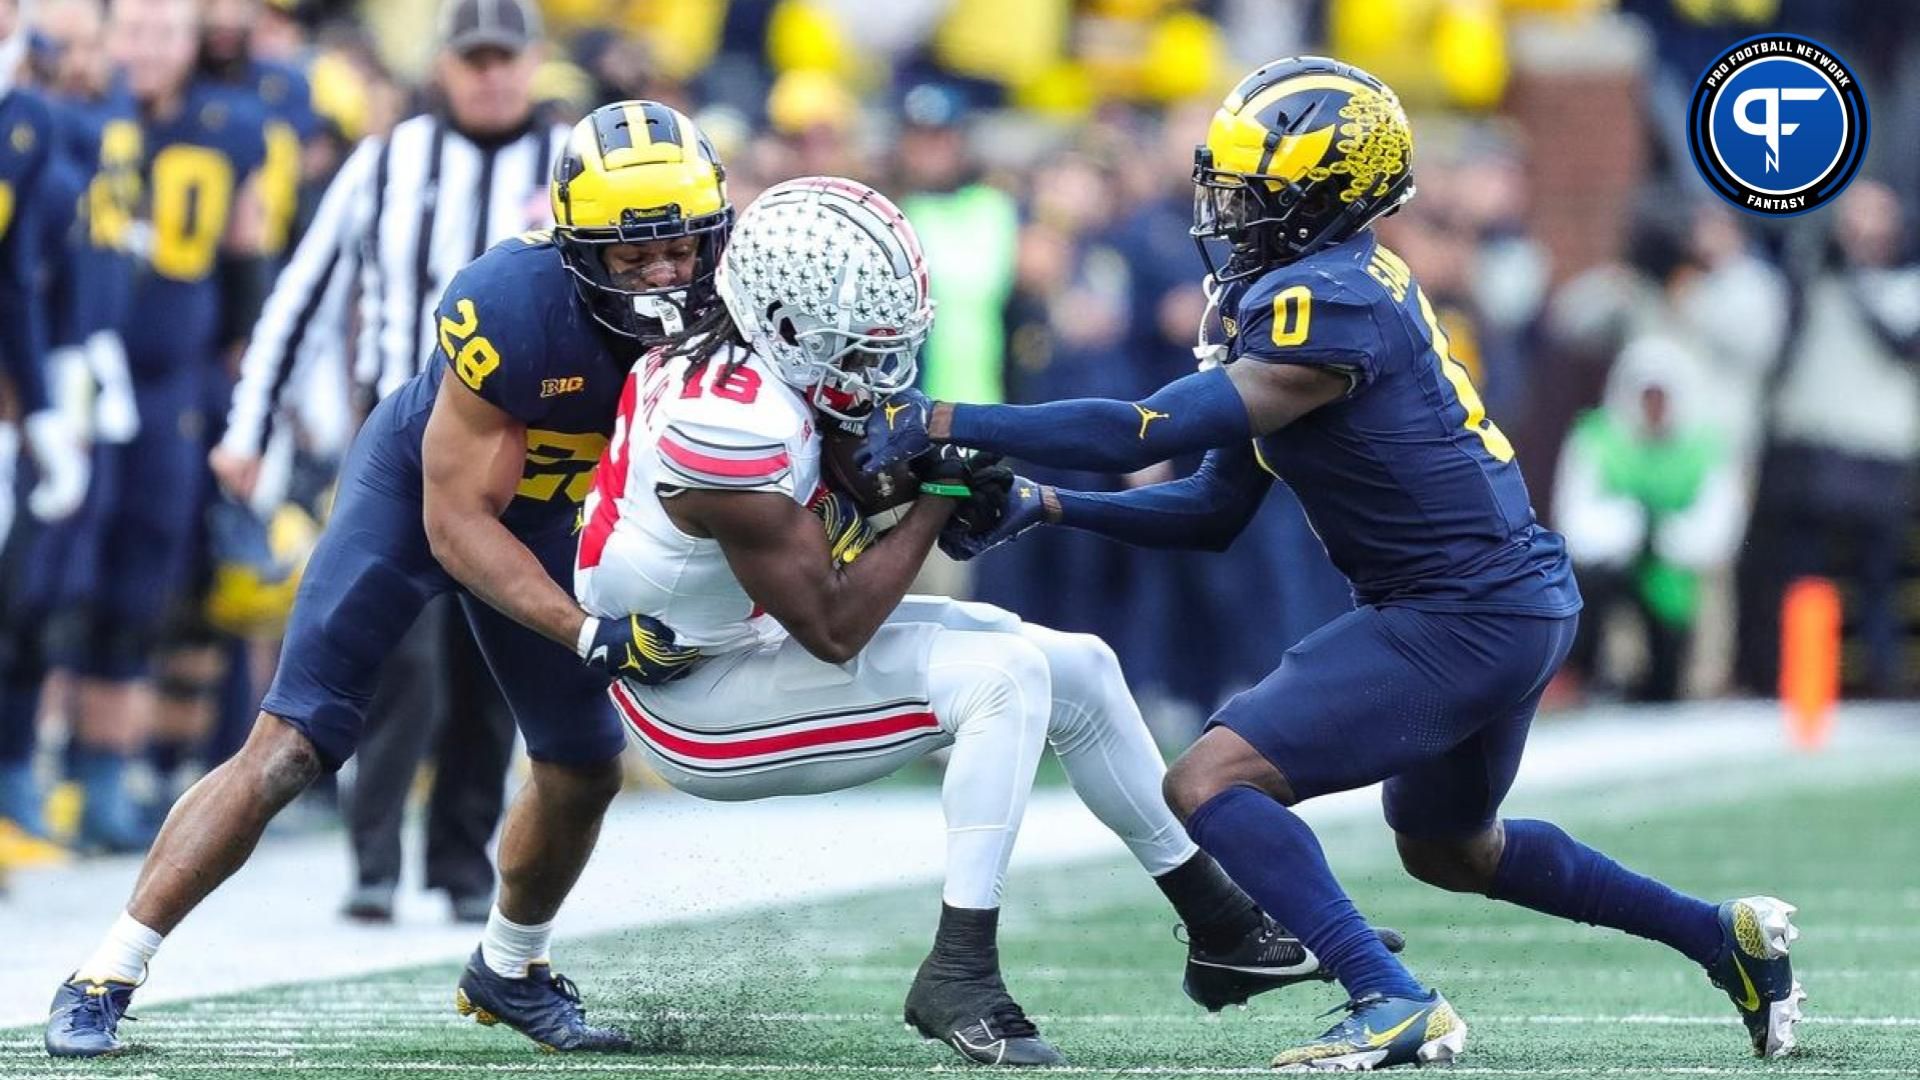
(819, 672)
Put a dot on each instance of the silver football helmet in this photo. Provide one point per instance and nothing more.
(825, 279)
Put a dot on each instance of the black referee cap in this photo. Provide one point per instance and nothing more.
(502, 24)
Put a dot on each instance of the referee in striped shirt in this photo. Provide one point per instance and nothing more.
(400, 218)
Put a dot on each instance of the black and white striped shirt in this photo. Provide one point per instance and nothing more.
(400, 218)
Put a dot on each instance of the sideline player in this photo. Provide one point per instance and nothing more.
(203, 147)
(37, 201)
(1338, 381)
(87, 275)
(819, 673)
(469, 479)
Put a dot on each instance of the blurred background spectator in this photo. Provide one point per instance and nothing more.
(1709, 405)
(1649, 499)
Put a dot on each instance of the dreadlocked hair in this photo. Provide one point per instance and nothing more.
(703, 340)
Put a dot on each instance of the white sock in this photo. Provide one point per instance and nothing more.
(123, 953)
(508, 947)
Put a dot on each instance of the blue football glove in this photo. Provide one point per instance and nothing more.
(896, 431)
(971, 534)
(637, 647)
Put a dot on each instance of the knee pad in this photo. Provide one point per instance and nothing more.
(1084, 666)
(985, 677)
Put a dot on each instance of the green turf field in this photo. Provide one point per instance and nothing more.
(1089, 951)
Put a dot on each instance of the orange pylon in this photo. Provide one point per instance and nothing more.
(1810, 659)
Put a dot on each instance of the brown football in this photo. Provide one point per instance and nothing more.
(888, 489)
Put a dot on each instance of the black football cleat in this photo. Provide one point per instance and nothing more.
(544, 1006)
(1266, 958)
(84, 1019)
(976, 1016)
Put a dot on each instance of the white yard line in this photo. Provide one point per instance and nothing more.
(208, 1036)
(748, 1068)
(666, 858)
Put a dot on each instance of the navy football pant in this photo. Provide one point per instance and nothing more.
(149, 495)
(363, 587)
(1436, 704)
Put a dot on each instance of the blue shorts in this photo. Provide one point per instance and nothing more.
(363, 587)
(1436, 704)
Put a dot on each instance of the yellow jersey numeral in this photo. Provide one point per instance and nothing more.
(1292, 312)
(476, 358)
(192, 193)
(1496, 441)
(549, 453)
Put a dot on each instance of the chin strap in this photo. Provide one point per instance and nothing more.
(1206, 352)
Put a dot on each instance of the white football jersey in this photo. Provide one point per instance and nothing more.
(738, 430)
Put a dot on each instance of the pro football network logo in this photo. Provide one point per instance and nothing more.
(1778, 125)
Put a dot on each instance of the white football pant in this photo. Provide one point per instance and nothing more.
(774, 720)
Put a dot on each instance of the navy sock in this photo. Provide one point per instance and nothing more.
(19, 708)
(1272, 854)
(1545, 869)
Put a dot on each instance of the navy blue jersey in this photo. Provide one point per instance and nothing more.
(513, 329)
(197, 162)
(100, 140)
(283, 92)
(29, 158)
(1410, 485)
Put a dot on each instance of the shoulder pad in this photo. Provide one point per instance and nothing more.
(746, 398)
(739, 431)
(1315, 315)
(700, 455)
(490, 331)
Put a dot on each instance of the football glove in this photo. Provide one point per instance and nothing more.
(1019, 508)
(116, 414)
(988, 481)
(637, 647)
(896, 431)
(61, 463)
(849, 533)
(960, 474)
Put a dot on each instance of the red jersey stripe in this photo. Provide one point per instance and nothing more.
(856, 731)
(718, 466)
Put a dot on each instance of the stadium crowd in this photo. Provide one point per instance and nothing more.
(1707, 408)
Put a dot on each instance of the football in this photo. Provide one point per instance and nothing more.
(889, 489)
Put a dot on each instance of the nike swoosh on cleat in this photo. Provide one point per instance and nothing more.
(998, 1047)
(1308, 967)
(1387, 1036)
(1753, 996)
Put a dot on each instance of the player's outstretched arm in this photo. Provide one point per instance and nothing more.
(473, 455)
(1208, 409)
(1203, 511)
(782, 558)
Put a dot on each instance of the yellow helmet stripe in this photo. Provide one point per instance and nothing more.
(1298, 84)
(638, 134)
